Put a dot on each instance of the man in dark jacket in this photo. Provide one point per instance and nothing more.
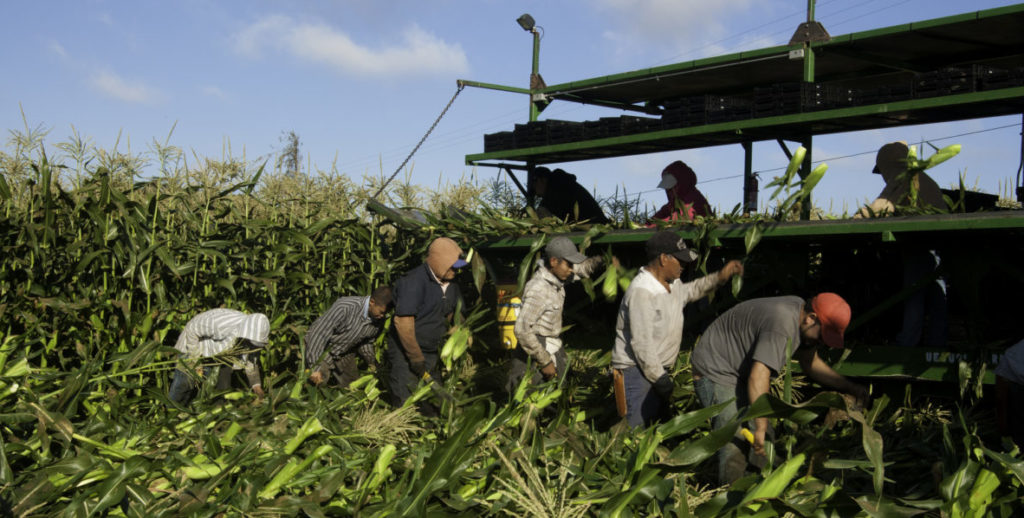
(425, 300)
(563, 197)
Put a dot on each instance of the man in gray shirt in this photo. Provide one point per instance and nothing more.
(649, 327)
(747, 345)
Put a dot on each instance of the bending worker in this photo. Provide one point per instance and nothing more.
(216, 332)
(348, 328)
(747, 345)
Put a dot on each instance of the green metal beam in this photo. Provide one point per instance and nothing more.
(879, 227)
(490, 86)
(738, 127)
(908, 362)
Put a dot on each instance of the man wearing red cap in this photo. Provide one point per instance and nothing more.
(425, 300)
(744, 347)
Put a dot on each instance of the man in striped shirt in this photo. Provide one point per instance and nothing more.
(237, 335)
(347, 329)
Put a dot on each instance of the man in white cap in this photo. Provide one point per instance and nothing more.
(213, 333)
(540, 319)
(425, 300)
(649, 328)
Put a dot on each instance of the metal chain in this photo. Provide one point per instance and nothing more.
(418, 144)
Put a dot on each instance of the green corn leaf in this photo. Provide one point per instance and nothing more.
(752, 236)
(1014, 464)
(696, 451)
(685, 423)
(776, 482)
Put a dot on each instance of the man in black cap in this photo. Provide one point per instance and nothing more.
(540, 320)
(649, 328)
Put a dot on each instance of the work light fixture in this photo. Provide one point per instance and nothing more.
(526, 22)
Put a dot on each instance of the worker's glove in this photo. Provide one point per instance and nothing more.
(418, 368)
(664, 386)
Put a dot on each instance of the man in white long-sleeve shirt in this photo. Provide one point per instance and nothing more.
(212, 333)
(649, 328)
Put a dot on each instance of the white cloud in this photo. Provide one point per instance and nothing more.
(687, 28)
(213, 91)
(119, 88)
(58, 49)
(419, 53)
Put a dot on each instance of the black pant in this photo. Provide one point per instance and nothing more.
(401, 380)
(520, 362)
(344, 370)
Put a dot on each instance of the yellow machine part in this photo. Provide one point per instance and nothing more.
(508, 311)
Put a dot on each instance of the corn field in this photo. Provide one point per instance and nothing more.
(100, 270)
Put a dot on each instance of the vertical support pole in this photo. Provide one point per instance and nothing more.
(805, 170)
(808, 51)
(534, 112)
(530, 179)
(749, 180)
(1020, 168)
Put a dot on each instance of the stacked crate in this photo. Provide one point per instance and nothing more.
(778, 99)
(684, 112)
(946, 81)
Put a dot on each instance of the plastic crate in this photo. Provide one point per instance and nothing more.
(946, 81)
(564, 131)
(726, 109)
(499, 141)
(683, 112)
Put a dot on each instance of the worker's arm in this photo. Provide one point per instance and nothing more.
(819, 371)
(405, 326)
(252, 371)
(757, 386)
(587, 267)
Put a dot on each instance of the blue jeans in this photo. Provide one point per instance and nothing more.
(732, 462)
(643, 404)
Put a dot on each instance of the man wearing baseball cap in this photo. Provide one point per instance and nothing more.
(649, 328)
(540, 320)
(744, 347)
(424, 300)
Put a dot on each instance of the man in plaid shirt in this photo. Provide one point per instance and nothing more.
(540, 319)
(348, 328)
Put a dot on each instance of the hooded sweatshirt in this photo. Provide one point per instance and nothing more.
(684, 200)
(565, 197)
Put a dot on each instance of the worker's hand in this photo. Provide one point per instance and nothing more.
(549, 371)
(731, 268)
(758, 445)
(418, 368)
(664, 386)
(258, 389)
(317, 377)
(860, 392)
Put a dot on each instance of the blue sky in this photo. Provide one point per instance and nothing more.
(360, 81)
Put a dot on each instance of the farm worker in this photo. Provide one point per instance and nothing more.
(540, 319)
(425, 299)
(1010, 393)
(684, 200)
(745, 346)
(215, 332)
(925, 310)
(348, 328)
(891, 163)
(649, 327)
(563, 197)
